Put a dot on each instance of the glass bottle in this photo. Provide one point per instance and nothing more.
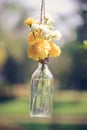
(41, 92)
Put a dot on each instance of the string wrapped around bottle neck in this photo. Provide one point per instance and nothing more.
(42, 17)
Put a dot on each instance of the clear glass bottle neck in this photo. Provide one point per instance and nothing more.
(42, 66)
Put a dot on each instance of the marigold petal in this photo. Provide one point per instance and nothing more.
(55, 50)
(33, 36)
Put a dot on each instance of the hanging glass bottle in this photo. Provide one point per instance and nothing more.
(41, 92)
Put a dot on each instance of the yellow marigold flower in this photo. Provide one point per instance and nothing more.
(29, 21)
(33, 36)
(39, 50)
(32, 53)
(55, 50)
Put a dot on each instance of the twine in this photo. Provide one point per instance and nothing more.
(42, 17)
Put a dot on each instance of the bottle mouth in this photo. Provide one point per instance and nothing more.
(42, 65)
(44, 61)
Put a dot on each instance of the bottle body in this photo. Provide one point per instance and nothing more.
(41, 93)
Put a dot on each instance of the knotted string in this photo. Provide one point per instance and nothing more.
(42, 17)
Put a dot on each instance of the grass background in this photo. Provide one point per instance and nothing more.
(65, 103)
(21, 107)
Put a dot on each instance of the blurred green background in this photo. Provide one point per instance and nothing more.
(69, 70)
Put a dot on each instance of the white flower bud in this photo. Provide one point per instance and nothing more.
(35, 26)
(56, 34)
(49, 18)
